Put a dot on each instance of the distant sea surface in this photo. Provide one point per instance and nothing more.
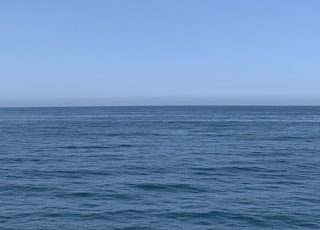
(160, 168)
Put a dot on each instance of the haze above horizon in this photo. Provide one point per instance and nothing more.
(65, 53)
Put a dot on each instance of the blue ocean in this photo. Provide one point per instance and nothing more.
(177, 167)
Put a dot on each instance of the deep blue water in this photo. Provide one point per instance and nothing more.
(160, 168)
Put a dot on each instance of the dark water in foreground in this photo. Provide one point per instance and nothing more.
(160, 168)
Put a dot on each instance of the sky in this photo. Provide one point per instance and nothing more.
(165, 52)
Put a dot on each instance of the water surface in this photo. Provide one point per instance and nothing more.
(160, 168)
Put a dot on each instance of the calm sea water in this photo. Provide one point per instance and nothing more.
(160, 168)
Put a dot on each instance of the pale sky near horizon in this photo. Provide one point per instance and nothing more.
(123, 52)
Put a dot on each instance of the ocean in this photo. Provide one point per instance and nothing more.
(177, 167)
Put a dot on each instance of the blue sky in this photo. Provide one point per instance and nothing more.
(120, 52)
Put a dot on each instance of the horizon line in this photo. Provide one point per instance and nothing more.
(178, 105)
